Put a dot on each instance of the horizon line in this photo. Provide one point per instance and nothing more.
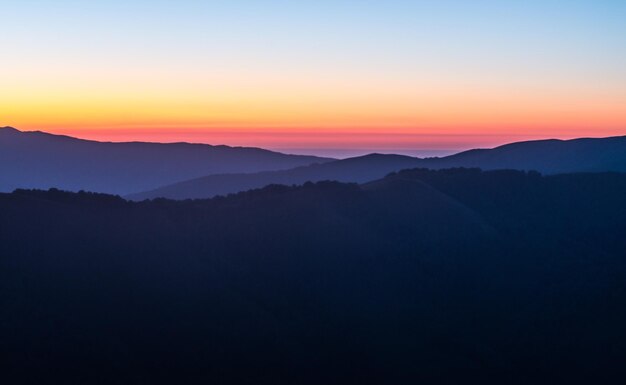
(335, 150)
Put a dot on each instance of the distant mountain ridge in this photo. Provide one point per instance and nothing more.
(551, 156)
(546, 156)
(356, 170)
(140, 170)
(37, 159)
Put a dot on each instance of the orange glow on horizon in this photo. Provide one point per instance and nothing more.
(388, 139)
(392, 75)
(379, 115)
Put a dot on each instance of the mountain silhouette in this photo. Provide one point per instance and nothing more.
(356, 170)
(424, 276)
(546, 156)
(42, 160)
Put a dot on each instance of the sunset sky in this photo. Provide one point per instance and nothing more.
(318, 76)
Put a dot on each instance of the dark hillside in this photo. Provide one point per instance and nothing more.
(433, 276)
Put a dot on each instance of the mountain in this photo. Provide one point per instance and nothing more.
(357, 170)
(435, 277)
(195, 171)
(546, 156)
(42, 160)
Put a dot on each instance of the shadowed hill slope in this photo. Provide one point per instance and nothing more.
(421, 277)
(356, 170)
(41, 160)
(548, 156)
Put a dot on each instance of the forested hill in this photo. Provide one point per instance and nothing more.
(435, 276)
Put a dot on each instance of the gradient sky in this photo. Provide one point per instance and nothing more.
(316, 76)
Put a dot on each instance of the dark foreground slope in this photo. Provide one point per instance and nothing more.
(41, 160)
(546, 156)
(438, 277)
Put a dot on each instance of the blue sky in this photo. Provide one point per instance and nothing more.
(257, 57)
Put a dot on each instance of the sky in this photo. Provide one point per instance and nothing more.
(327, 77)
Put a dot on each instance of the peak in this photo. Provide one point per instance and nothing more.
(376, 155)
(379, 157)
(9, 131)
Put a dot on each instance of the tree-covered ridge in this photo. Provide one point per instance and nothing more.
(434, 276)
